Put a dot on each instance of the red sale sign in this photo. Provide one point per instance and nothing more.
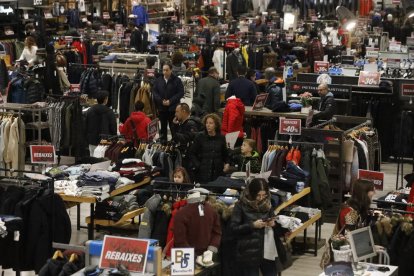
(131, 253)
(376, 177)
(407, 89)
(369, 78)
(152, 129)
(321, 66)
(290, 126)
(44, 154)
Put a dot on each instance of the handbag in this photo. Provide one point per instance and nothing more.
(327, 255)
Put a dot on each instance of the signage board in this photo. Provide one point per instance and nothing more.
(290, 126)
(42, 154)
(201, 40)
(372, 52)
(369, 78)
(105, 15)
(321, 66)
(68, 39)
(376, 177)
(407, 89)
(152, 129)
(129, 252)
(339, 91)
(260, 101)
(182, 261)
(75, 88)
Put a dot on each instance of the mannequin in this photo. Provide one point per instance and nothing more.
(233, 61)
(140, 12)
(197, 225)
(218, 60)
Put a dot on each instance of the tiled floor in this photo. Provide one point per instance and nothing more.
(304, 265)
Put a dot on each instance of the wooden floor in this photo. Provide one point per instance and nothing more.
(303, 265)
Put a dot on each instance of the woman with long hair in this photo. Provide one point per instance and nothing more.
(354, 212)
(29, 51)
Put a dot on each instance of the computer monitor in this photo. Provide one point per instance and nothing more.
(362, 244)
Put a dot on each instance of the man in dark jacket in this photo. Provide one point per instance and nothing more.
(327, 104)
(185, 129)
(167, 92)
(207, 97)
(242, 88)
(100, 120)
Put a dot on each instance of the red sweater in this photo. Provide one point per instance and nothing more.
(193, 230)
(141, 122)
(233, 117)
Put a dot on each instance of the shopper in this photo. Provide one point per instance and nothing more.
(177, 63)
(315, 49)
(136, 126)
(38, 37)
(209, 154)
(167, 92)
(252, 222)
(245, 154)
(180, 176)
(242, 88)
(327, 104)
(251, 75)
(258, 26)
(273, 88)
(29, 51)
(354, 213)
(207, 98)
(100, 120)
(186, 127)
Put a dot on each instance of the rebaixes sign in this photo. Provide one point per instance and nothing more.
(44, 154)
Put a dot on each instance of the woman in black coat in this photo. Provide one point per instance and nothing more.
(251, 223)
(209, 154)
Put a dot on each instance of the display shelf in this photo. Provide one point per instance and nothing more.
(293, 199)
(123, 220)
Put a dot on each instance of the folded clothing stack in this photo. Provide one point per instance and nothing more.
(78, 169)
(99, 178)
(133, 169)
(114, 208)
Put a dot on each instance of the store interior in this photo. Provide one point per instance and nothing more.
(321, 92)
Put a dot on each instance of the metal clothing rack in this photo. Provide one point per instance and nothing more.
(314, 144)
(393, 203)
(367, 123)
(333, 120)
(188, 192)
(392, 211)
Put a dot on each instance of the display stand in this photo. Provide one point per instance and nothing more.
(71, 201)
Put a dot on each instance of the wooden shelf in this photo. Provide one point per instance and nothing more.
(123, 220)
(304, 226)
(294, 198)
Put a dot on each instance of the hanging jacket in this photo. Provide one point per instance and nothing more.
(4, 77)
(144, 95)
(141, 121)
(142, 15)
(233, 117)
(16, 93)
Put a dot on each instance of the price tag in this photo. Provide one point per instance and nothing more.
(393, 62)
(179, 31)
(150, 72)
(376, 177)
(372, 52)
(395, 46)
(105, 15)
(68, 39)
(75, 88)
(260, 101)
(152, 129)
(201, 40)
(170, 47)
(407, 89)
(321, 66)
(48, 15)
(290, 126)
(369, 78)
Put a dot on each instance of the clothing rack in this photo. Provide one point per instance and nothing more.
(367, 123)
(392, 211)
(190, 192)
(314, 144)
(333, 120)
(393, 203)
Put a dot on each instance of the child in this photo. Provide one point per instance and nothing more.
(247, 154)
(180, 175)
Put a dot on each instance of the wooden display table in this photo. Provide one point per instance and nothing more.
(265, 112)
(70, 201)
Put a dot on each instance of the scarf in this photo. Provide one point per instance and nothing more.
(261, 206)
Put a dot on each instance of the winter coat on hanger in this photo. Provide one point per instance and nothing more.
(233, 117)
(233, 61)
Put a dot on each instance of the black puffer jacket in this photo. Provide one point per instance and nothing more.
(327, 108)
(185, 132)
(250, 240)
(172, 91)
(100, 119)
(208, 155)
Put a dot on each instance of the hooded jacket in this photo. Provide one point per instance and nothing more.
(100, 119)
(208, 155)
(255, 164)
(173, 91)
(141, 121)
(233, 117)
(327, 107)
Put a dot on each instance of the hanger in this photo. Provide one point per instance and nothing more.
(73, 258)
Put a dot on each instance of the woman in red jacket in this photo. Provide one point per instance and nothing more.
(137, 121)
(233, 118)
